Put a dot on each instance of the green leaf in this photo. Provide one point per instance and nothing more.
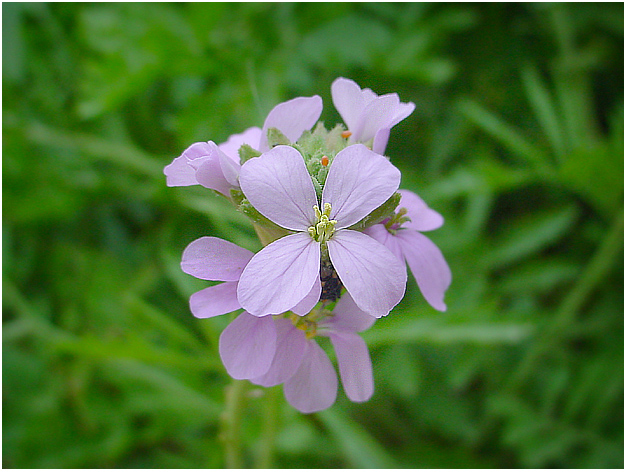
(531, 234)
(595, 173)
(359, 448)
(507, 135)
(545, 109)
(438, 331)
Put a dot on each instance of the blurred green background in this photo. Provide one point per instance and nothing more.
(517, 139)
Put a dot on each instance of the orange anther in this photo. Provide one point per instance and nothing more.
(324, 161)
(346, 134)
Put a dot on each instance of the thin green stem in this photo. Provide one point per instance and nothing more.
(232, 423)
(265, 457)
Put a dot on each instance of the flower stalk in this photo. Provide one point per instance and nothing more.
(232, 423)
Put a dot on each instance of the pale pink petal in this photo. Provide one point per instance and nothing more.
(247, 346)
(349, 101)
(373, 276)
(355, 366)
(180, 173)
(381, 234)
(347, 316)
(310, 301)
(278, 185)
(428, 266)
(290, 350)
(422, 217)
(214, 301)
(252, 137)
(279, 276)
(292, 118)
(211, 258)
(359, 180)
(314, 385)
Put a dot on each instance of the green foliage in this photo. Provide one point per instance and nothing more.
(517, 139)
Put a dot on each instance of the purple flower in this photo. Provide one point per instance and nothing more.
(286, 271)
(210, 258)
(217, 167)
(204, 164)
(401, 234)
(284, 350)
(366, 114)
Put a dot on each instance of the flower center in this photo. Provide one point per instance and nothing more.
(324, 227)
(396, 221)
(309, 322)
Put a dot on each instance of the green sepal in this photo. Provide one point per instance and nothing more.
(318, 188)
(386, 210)
(246, 152)
(268, 235)
(270, 229)
(334, 140)
(237, 196)
(251, 212)
(275, 137)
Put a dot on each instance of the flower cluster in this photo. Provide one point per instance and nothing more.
(338, 235)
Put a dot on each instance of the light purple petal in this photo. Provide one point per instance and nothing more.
(247, 346)
(199, 150)
(290, 350)
(359, 180)
(211, 258)
(347, 316)
(349, 101)
(355, 366)
(218, 171)
(373, 276)
(279, 276)
(252, 137)
(278, 185)
(292, 118)
(214, 301)
(422, 217)
(381, 234)
(366, 114)
(428, 266)
(310, 301)
(314, 385)
(230, 169)
(180, 173)
(210, 175)
(402, 112)
(376, 115)
(380, 141)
